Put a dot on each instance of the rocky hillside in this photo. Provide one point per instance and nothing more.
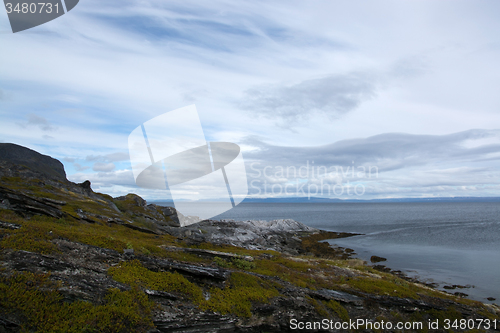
(12, 155)
(78, 261)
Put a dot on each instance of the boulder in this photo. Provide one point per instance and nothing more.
(375, 259)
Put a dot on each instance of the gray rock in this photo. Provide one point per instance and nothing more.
(8, 225)
(27, 205)
(19, 155)
(278, 235)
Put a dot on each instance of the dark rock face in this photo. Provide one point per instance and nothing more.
(375, 259)
(26, 205)
(43, 164)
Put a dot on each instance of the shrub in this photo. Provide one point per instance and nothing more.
(132, 272)
(237, 297)
(35, 298)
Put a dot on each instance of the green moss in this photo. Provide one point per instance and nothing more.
(121, 205)
(237, 297)
(130, 207)
(30, 237)
(384, 286)
(313, 245)
(132, 272)
(11, 180)
(36, 235)
(129, 204)
(487, 314)
(417, 316)
(105, 196)
(319, 307)
(288, 270)
(9, 215)
(222, 263)
(243, 264)
(451, 313)
(323, 308)
(235, 262)
(338, 309)
(36, 299)
(89, 207)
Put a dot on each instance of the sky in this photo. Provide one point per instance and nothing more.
(339, 99)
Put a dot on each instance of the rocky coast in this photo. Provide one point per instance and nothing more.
(73, 260)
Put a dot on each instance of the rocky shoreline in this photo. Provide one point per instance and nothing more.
(454, 289)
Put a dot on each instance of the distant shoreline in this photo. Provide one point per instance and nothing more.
(465, 290)
(336, 200)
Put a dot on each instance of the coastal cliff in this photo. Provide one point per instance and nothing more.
(73, 260)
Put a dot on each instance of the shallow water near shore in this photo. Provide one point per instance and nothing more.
(444, 243)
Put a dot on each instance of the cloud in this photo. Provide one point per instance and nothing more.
(383, 149)
(383, 164)
(41, 122)
(333, 95)
(138, 59)
(105, 167)
(112, 157)
(79, 167)
(107, 179)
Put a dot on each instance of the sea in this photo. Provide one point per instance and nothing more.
(445, 243)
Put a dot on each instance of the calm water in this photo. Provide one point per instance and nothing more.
(444, 243)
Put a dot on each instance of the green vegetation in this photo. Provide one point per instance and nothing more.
(312, 244)
(36, 235)
(319, 307)
(235, 262)
(129, 204)
(338, 309)
(451, 313)
(288, 270)
(238, 295)
(32, 237)
(36, 298)
(329, 309)
(392, 286)
(132, 272)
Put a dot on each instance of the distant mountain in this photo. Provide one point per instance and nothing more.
(336, 200)
(19, 155)
(444, 199)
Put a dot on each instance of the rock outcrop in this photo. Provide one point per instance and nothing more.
(15, 155)
(277, 235)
